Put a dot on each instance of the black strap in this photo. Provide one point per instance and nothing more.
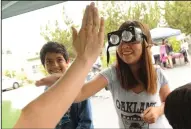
(108, 56)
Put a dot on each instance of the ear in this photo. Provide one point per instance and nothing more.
(68, 62)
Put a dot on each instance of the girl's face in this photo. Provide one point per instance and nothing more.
(130, 53)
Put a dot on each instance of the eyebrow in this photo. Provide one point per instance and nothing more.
(58, 57)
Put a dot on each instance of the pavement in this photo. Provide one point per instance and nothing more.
(104, 114)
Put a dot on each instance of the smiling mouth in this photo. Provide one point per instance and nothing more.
(127, 53)
(56, 71)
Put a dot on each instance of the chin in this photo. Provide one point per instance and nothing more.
(130, 62)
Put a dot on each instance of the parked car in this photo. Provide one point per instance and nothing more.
(8, 83)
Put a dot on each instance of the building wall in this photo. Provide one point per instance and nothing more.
(32, 69)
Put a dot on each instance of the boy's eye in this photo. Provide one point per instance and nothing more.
(48, 62)
(60, 60)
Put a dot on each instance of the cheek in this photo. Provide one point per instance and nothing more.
(64, 65)
(47, 68)
(118, 50)
(137, 49)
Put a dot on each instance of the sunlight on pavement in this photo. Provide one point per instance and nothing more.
(104, 114)
(22, 96)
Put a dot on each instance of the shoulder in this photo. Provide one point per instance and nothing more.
(158, 70)
(161, 76)
(109, 72)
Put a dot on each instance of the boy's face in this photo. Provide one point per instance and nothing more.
(55, 63)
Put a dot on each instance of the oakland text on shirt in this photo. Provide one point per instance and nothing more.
(133, 107)
(130, 113)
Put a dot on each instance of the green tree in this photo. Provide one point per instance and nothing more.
(145, 12)
(10, 73)
(57, 34)
(177, 15)
(175, 44)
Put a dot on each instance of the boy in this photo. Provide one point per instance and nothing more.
(55, 59)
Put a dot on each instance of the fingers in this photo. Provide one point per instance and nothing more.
(39, 83)
(146, 114)
(146, 111)
(90, 18)
(84, 20)
(149, 116)
(74, 34)
(96, 21)
(101, 31)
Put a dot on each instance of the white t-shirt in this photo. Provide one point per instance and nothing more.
(130, 105)
(155, 50)
(184, 45)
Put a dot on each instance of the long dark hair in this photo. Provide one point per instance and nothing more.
(147, 74)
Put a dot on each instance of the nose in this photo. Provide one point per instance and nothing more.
(125, 45)
(55, 64)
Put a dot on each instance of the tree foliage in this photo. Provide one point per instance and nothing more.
(115, 15)
(57, 34)
(177, 15)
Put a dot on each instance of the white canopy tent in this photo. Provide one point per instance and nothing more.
(163, 33)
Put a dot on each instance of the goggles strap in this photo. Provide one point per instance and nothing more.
(108, 55)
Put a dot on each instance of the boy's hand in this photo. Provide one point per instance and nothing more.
(49, 80)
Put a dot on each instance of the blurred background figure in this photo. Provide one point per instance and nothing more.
(169, 51)
(184, 51)
(155, 49)
(163, 54)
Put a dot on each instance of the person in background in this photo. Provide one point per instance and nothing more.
(169, 51)
(184, 51)
(55, 59)
(155, 49)
(163, 54)
(177, 108)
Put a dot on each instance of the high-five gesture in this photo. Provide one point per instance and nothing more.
(46, 110)
(89, 41)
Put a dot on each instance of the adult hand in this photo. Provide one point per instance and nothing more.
(90, 39)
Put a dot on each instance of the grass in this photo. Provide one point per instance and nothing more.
(9, 114)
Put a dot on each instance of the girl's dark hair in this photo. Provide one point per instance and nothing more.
(147, 74)
(178, 107)
(53, 47)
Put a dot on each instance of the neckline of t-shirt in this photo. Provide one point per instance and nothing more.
(137, 93)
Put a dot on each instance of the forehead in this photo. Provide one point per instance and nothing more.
(53, 55)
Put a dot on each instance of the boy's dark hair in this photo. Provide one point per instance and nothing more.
(178, 107)
(53, 47)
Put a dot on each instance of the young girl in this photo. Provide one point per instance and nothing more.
(138, 89)
(136, 86)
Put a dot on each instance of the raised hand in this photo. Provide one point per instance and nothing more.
(90, 39)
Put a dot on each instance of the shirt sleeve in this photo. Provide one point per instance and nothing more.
(162, 77)
(109, 76)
